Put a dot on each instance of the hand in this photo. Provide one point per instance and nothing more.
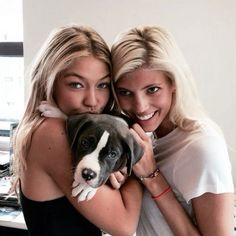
(147, 164)
(118, 178)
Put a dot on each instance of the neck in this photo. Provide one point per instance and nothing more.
(164, 129)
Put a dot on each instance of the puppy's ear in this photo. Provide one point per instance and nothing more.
(74, 125)
(134, 152)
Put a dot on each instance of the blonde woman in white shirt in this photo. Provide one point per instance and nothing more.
(189, 161)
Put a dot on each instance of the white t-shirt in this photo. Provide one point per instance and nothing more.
(193, 163)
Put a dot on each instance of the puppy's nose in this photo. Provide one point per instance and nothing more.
(88, 174)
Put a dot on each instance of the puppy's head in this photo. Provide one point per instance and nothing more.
(101, 144)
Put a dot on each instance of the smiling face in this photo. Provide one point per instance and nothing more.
(146, 96)
(83, 87)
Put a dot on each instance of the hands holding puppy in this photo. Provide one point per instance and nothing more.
(147, 163)
(118, 178)
(145, 166)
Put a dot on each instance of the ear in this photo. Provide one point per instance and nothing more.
(134, 152)
(74, 125)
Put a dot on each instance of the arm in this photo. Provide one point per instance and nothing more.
(108, 204)
(176, 217)
(214, 213)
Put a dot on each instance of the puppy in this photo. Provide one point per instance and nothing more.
(101, 144)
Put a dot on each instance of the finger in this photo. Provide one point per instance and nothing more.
(115, 184)
(119, 176)
(139, 130)
(136, 135)
(124, 171)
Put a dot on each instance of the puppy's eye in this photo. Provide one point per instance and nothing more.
(112, 154)
(85, 143)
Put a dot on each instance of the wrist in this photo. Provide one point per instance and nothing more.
(156, 197)
(156, 184)
(152, 175)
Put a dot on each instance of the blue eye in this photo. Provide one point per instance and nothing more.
(153, 89)
(104, 85)
(124, 92)
(75, 85)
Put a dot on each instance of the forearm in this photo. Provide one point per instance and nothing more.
(173, 212)
(110, 205)
(131, 193)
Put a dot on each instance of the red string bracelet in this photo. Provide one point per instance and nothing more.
(159, 195)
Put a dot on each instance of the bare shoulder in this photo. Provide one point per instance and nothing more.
(47, 159)
(50, 125)
(49, 148)
(49, 140)
(52, 129)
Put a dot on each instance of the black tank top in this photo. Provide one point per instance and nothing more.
(55, 218)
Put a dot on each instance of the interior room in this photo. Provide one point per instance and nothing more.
(205, 31)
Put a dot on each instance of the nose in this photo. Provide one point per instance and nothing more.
(91, 98)
(88, 174)
(140, 104)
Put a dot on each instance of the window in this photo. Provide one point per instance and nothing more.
(11, 61)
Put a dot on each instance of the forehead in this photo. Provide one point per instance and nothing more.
(87, 61)
(88, 67)
(141, 77)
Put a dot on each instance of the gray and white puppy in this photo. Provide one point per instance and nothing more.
(101, 144)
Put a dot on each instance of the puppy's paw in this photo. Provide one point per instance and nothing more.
(83, 191)
(48, 110)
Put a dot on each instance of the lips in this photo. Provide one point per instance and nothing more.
(148, 122)
(145, 117)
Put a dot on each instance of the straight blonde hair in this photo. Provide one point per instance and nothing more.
(63, 46)
(154, 48)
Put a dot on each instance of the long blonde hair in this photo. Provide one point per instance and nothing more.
(62, 47)
(153, 47)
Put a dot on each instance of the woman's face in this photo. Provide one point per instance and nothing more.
(146, 96)
(84, 87)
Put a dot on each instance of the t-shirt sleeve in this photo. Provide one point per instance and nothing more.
(204, 167)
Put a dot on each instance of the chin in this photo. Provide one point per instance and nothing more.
(148, 128)
(149, 125)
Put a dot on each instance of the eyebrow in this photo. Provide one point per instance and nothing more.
(82, 77)
(153, 85)
(146, 87)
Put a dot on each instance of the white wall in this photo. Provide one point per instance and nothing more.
(205, 31)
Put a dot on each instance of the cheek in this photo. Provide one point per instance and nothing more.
(103, 99)
(165, 101)
(68, 103)
(106, 96)
(124, 102)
